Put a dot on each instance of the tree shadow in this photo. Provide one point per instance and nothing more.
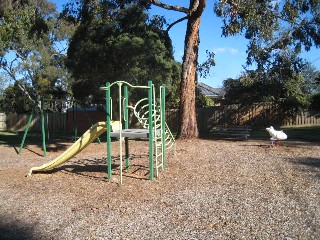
(282, 144)
(298, 143)
(309, 165)
(57, 147)
(50, 147)
(11, 229)
(309, 162)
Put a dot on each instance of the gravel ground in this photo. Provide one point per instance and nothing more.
(211, 189)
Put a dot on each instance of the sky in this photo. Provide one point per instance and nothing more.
(230, 53)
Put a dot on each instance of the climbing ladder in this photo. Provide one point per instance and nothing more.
(162, 136)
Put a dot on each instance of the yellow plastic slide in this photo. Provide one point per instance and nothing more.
(88, 137)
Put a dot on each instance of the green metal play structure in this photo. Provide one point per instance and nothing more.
(150, 114)
(40, 106)
(149, 111)
(43, 132)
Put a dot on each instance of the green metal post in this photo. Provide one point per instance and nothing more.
(150, 102)
(75, 125)
(126, 123)
(108, 109)
(26, 132)
(120, 129)
(43, 132)
(163, 125)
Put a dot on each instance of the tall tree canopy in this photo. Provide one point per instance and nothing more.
(117, 40)
(280, 84)
(312, 77)
(32, 45)
(270, 25)
(278, 31)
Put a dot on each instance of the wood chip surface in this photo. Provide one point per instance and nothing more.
(210, 189)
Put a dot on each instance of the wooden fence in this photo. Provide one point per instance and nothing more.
(303, 118)
(259, 115)
(53, 121)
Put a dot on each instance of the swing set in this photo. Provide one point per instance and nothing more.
(43, 125)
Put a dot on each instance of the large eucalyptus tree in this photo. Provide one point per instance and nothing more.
(269, 25)
(188, 122)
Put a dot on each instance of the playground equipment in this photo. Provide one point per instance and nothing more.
(276, 136)
(57, 105)
(88, 137)
(43, 131)
(151, 115)
(41, 107)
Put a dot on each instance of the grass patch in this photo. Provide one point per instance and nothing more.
(13, 138)
(9, 138)
(306, 133)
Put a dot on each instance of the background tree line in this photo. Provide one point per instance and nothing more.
(45, 54)
(290, 81)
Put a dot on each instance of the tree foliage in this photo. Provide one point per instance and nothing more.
(271, 26)
(118, 41)
(15, 100)
(32, 46)
(278, 31)
(281, 83)
(315, 102)
(312, 78)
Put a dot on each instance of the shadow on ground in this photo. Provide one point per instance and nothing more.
(11, 229)
(89, 167)
(308, 165)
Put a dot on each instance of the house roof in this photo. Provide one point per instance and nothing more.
(208, 91)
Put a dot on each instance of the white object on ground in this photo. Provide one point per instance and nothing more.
(276, 135)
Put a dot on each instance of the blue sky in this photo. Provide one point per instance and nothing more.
(230, 53)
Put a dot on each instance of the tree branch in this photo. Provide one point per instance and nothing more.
(174, 8)
(169, 7)
(24, 90)
(175, 22)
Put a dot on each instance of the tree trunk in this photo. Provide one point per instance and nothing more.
(188, 121)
